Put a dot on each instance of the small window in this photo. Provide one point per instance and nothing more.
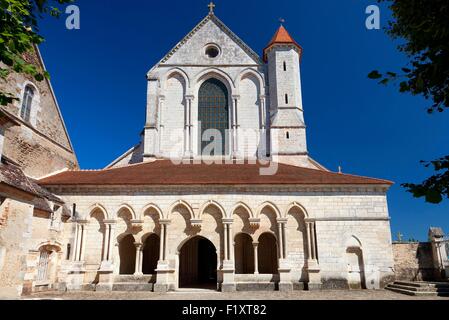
(288, 135)
(212, 52)
(69, 249)
(286, 98)
(27, 102)
(285, 66)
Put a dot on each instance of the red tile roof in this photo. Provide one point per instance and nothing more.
(281, 37)
(164, 172)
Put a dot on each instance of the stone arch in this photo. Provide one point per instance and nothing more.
(243, 253)
(124, 217)
(241, 213)
(100, 207)
(171, 115)
(95, 236)
(297, 244)
(154, 207)
(181, 203)
(353, 241)
(150, 252)
(209, 73)
(151, 216)
(173, 72)
(129, 208)
(296, 205)
(214, 204)
(251, 72)
(267, 252)
(243, 205)
(355, 263)
(47, 260)
(127, 253)
(270, 205)
(198, 262)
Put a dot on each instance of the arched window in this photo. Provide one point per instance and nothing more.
(213, 113)
(27, 102)
(285, 66)
(286, 98)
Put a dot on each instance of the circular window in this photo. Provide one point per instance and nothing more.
(212, 51)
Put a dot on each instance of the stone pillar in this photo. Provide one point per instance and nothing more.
(313, 267)
(228, 269)
(256, 258)
(83, 240)
(163, 271)
(138, 267)
(440, 256)
(189, 127)
(111, 241)
(106, 264)
(285, 282)
(161, 100)
(76, 243)
(235, 127)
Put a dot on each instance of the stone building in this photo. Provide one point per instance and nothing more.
(33, 144)
(221, 192)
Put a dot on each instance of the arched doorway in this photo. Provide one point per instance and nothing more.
(213, 113)
(356, 270)
(127, 252)
(267, 254)
(198, 264)
(244, 254)
(150, 254)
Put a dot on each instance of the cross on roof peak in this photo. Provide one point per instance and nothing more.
(281, 20)
(211, 7)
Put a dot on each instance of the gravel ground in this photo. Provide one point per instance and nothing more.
(212, 295)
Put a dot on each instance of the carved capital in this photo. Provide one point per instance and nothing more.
(254, 222)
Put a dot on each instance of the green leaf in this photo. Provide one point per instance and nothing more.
(374, 75)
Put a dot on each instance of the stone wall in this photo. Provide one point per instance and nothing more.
(343, 219)
(40, 146)
(413, 261)
(14, 237)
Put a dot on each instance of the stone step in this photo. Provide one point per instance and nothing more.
(418, 289)
(129, 286)
(133, 279)
(412, 293)
(420, 284)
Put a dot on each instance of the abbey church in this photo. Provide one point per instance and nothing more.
(220, 193)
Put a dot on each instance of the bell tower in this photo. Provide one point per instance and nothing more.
(288, 130)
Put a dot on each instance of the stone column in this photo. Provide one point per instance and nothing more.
(313, 267)
(105, 242)
(163, 272)
(225, 241)
(161, 100)
(138, 268)
(285, 283)
(76, 244)
(111, 240)
(189, 126)
(235, 126)
(83, 240)
(228, 269)
(256, 258)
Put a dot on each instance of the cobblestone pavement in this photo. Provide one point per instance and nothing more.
(212, 295)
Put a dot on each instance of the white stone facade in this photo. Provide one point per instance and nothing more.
(262, 236)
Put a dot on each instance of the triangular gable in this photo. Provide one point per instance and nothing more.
(211, 18)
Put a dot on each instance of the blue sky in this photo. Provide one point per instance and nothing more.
(98, 73)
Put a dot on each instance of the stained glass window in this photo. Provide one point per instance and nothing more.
(213, 113)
